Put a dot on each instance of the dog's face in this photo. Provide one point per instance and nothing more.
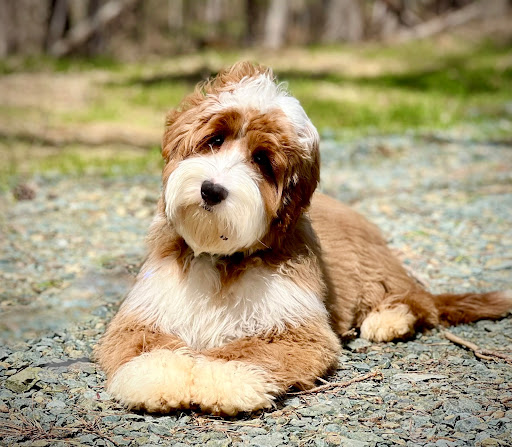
(241, 163)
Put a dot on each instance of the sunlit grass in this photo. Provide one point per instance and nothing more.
(19, 161)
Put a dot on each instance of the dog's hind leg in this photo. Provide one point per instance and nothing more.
(388, 323)
(399, 316)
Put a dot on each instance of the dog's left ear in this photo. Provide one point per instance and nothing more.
(301, 180)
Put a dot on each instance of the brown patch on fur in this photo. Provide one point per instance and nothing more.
(294, 358)
(127, 338)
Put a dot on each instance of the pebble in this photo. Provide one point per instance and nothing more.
(23, 380)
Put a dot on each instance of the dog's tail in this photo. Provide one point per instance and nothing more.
(468, 307)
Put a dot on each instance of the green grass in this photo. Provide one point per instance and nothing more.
(50, 64)
(472, 85)
(350, 91)
(19, 161)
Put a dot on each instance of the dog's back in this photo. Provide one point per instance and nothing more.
(369, 288)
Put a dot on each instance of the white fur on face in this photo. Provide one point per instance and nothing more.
(230, 226)
(205, 315)
(263, 94)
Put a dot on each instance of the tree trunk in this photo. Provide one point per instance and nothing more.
(447, 21)
(344, 21)
(252, 21)
(175, 15)
(57, 23)
(85, 30)
(7, 38)
(275, 24)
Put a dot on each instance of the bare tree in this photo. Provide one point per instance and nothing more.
(254, 14)
(63, 27)
(344, 21)
(175, 15)
(85, 30)
(275, 24)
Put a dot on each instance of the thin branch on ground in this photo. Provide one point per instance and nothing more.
(373, 375)
(484, 354)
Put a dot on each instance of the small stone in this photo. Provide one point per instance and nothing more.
(348, 442)
(270, 440)
(23, 380)
(333, 428)
(39, 443)
(416, 377)
(490, 442)
(421, 421)
(158, 429)
(111, 419)
(467, 424)
(293, 402)
(361, 366)
(462, 405)
(445, 443)
(316, 410)
(255, 431)
(89, 438)
(385, 364)
(55, 404)
(364, 436)
(218, 443)
(119, 440)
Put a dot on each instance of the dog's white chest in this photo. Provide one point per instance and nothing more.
(205, 314)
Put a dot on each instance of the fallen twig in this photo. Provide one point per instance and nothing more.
(485, 354)
(330, 385)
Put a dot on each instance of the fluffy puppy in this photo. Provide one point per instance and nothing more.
(246, 287)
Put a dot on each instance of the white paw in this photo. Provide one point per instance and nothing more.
(156, 381)
(231, 387)
(388, 324)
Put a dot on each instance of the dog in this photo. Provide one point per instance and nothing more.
(252, 277)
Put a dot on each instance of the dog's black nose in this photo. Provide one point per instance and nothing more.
(213, 193)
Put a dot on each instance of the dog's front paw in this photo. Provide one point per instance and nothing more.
(388, 324)
(156, 381)
(231, 387)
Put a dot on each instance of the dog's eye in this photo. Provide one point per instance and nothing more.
(262, 159)
(216, 140)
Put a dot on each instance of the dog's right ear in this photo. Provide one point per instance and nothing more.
(167, 143)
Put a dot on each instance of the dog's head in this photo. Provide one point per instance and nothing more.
(242, 162)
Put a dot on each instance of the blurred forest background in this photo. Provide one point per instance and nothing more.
(124, 27)
(78, 74)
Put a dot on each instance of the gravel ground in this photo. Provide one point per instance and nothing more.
(68, 256)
